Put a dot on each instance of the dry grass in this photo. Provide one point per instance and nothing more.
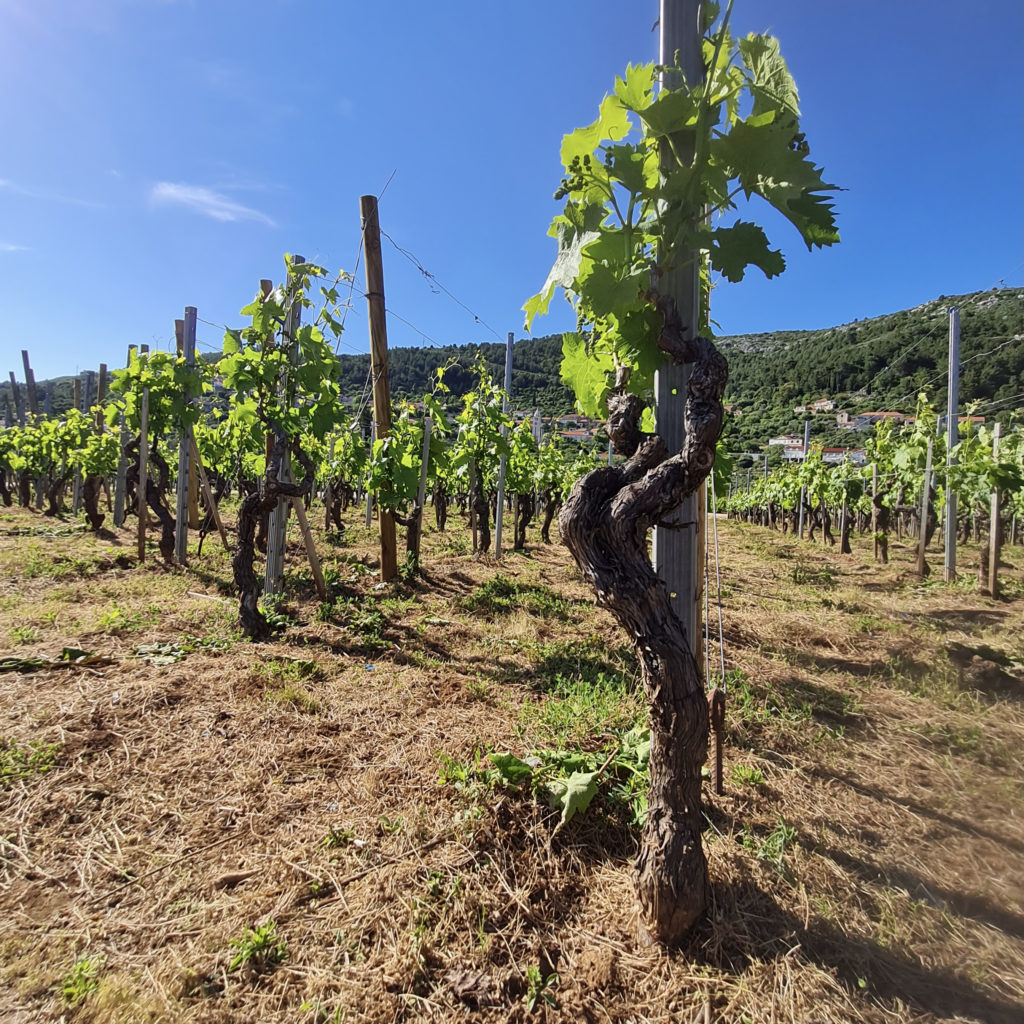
(867, 859)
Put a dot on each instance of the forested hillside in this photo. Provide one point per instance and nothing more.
(879, 364)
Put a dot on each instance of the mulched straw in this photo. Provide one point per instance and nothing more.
(872, 875)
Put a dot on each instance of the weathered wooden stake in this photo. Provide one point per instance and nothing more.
(379, 365)
(30, 384)
(922, 566)
(76, 490)
(208, 491)
(19, 409)
(369, 493)
(276, 532)
(307, 539)
(421, 493)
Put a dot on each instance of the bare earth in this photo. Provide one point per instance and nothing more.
(195, 828)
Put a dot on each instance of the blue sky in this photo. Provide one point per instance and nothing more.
(164, 153)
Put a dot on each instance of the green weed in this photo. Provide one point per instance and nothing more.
(746, 775)
(23, 634)
(538, 988)
(81, 981)
(337, 837)
(259, 948)
(21, 762)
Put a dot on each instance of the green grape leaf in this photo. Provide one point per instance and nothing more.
(585, 373)
(771, 84)
(612, 123)
(770, 160)
(635, 88)
(573, 795)
(573, 237)
(744, 244)
(512, 770)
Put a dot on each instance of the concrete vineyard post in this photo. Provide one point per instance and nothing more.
(503, 459)
(186, 349)
(952, 436)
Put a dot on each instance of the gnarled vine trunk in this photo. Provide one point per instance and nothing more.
(605, 523)
(551, 506)
(91, 500)
(154, 494)
(254, 509)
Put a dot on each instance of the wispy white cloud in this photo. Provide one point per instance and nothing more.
(207, 202)
(9, 247)
(45, 196)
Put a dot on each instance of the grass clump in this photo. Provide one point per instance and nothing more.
(502, 596)
(577, 709)
(21, 762)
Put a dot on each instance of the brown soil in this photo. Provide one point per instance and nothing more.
(867, 859)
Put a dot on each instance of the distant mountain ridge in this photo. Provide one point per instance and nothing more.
(878, 363)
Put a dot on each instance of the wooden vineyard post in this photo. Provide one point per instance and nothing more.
(503, 459)
(208, 491)
(379, 365)
(187, 349)
(922, 566)
(19, 409)
(193, 476)
(141, 508)
(329, 487)
(101, 397)
(274, 576)
(30, 384)
(994, 540)
(307, 539)
(120, 486)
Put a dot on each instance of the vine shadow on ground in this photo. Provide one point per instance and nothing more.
(748, 924)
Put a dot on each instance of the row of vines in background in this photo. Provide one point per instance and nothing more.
(269, 423)
(884, 492)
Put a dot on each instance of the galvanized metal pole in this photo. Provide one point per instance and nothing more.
(369, 493)
(188, 351)
(952, 436)
(994, 540)
(120, 486)
(675, 548)
(503, 460)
